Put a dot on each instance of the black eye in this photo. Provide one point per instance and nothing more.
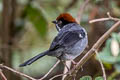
(59, 22)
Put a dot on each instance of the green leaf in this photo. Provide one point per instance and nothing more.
(86, 78)
(116, 36)
(99, 78)
(105, 55)
(37, 18)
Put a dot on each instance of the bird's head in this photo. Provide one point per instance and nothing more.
(63, 19)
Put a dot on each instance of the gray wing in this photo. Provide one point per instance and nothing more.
(68, 38)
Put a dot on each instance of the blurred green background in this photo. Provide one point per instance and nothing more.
(26, 29)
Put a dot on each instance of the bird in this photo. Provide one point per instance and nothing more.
(68, 44)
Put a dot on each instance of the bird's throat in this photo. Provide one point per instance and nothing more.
(58, 28)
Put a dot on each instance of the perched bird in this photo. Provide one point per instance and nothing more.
(69, 43)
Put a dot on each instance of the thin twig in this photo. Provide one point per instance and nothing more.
(102, 66)
(104, 19)
(82, 8)
(50, 70)
(90, 53)
(58, 76)
(68, 64)
(17, 72)
(2, 75)
(101, 19)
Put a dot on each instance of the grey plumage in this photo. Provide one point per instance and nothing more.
(67, 45)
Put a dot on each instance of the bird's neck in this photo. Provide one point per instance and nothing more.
(59, 27)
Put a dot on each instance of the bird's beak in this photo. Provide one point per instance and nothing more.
(54, 22)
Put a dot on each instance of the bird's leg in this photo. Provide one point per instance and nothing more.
(65, 65)
(81, 68)
(74, 63)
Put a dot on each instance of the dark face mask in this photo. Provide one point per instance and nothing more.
(60, 23)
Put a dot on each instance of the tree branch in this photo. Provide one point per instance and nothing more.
(2, 75)
(104, 19)
(50, 70)
(17, 72)
(102, 66)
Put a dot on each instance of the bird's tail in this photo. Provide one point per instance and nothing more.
(30, 61)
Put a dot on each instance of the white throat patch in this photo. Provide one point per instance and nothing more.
(58, 28)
